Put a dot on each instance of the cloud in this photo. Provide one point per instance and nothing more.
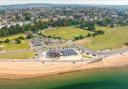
(106, 2)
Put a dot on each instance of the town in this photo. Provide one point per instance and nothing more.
(61, 33)
(70, 15)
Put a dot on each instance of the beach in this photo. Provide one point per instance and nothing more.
(20, 70)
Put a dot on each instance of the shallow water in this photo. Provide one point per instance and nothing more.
(110, 78)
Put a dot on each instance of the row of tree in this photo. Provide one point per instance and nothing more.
(40, 25)
(95, 33)
(17, 40)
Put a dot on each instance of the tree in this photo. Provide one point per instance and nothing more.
(108, 20)
(88, 25)
(91, 26)
(27, 16)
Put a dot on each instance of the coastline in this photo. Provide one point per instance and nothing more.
(21, 70)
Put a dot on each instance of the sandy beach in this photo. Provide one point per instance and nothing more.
(19, 70)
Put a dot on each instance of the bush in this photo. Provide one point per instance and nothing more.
(94, 34)
(78, 37)
(89, 35)
(49, 36)
(7, 41)
(81, 37)
(29, 36)
(126, 43)
(18, 41)
(111, 26)
(21, 37)
(1, 41)
(100, 32)
(58, 38)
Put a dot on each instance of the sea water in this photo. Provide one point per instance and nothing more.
(109, 78)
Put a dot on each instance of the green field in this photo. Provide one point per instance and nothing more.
(66, 33)
(113, 38)
(18, 55)
(12, 46)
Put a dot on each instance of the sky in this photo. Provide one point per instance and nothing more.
(103, 2)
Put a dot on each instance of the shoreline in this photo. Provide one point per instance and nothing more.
(22, 70)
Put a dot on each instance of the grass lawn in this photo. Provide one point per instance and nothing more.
(18, 55)
(113, 38)
(12, 46)
(66, 33)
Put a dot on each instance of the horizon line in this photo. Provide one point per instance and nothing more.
(66, 4)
